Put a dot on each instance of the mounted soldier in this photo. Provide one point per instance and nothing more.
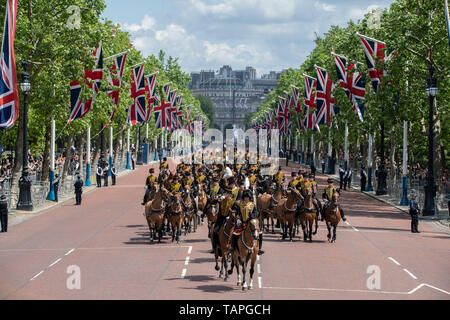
(150, 184)
(327, 196)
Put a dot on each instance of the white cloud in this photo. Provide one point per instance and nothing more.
(221, 9)
(324, 6)
(358, 14)
(147, 24)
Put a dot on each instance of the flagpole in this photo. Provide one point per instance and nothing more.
(303, 150)
(369, 164)
(346, 146)
(88, 157)
(128, 150)
(110, 149)
(312, 150)
(368, 38)
(351, 60)
(116, 55)
(51, 194)
(329, 151)
(404, 201)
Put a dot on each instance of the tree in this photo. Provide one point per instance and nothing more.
(207, 107)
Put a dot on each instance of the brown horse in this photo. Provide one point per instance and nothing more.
(189, 211)
(285, 211)
(266, 204)
(223, 244)
(154, 213)
(211, 216)
(201, 200)
(176, 216)
(246, 249)
(307, 215)
(332, 216)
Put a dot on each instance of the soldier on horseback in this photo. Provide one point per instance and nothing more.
(149, 183)
(327, 195)
(225, 204)
(246, 210)
(315, 191)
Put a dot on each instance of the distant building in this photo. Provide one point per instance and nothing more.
(234, 93)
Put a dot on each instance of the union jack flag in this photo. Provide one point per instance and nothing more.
(310, 121)
(115, 74)
(162, 115)
(9, 96)
(166, 90)
(310, 97)
(374, 50)
(283, 116)
(78, 108)
(353, 83)
(297, 99)
(150, 84)
(325, 99)
(137, 110)
(173, 113)
(180, 117)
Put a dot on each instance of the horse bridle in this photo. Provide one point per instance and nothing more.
(253, 237)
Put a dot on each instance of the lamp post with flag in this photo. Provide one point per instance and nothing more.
(429, 208)
(25, 201)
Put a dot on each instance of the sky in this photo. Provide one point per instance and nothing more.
(207, 34)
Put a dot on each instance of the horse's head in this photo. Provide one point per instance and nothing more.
(253, 227)
(308, 191)
(295, 193)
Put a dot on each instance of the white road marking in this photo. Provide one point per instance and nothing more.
(408, 272)
(55, 262)
(260, 282)
(425, 284)
(190, 250)
(183, 273)
(257, 258)
(328, 289)
(187, 261)
(70, 251)
(259, 268)
(37, 275)
(393, 260)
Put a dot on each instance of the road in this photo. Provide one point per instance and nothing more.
(104, 244)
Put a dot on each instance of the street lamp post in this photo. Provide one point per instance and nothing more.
(382, 173)
(25, 201)
(139, 149)
(430, 187)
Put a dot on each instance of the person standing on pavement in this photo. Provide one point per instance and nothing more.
(313, 169)
(349, 177)
(323, 165)
(78, 189)
(133, 164)
(105, 175)
(98, 176)
(56, 185)
(287, 157)
(341, 176)
(414, 211)
(4, 213)
(363, 178)
(113, 175)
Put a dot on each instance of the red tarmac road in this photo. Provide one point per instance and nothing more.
(107, 239)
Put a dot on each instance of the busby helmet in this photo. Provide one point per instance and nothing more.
(330, 180)
(247, 194)
(151, 170)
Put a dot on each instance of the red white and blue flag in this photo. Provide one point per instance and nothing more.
(166, 89)
(9, 96)
(324, 97)
(375, 53)
(310, 97)
(115, 74)
(283, 116)
(353, 83)
(162, 115)
(78, 108)
(150, 84)
(137, 111)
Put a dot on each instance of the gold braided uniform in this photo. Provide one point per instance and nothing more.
(246, 209)
(235, 193)
(175, 187)
(188, 181)
(151, 179)
(164, 165)
(200, 178)
(252, 180)
(305, 185)
(225, 206)
(214, 190)
(329, 192)
(293, 183)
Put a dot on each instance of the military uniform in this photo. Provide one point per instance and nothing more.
(328, 195)
(113, 176)
(149, 182)
(225, 204)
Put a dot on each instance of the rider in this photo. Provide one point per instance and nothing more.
(327, 195)
(246, 210)
(188, 181)
(293, 183)
(225, 204)
(149, 182)
(164, 165)
(315, 191)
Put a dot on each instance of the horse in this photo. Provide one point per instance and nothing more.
(201, 200)
(332, 216)
(265, 204)
(211, 216)
(307, 215)
(189, 210)
(223, 244)
(285, 211)
(176, 216)
(154, 213)
(247, 248)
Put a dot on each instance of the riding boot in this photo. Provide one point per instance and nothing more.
(260, 244)
(342, 214)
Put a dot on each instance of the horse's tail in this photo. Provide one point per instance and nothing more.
(315, 231)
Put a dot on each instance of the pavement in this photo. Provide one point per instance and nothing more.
(101, 250)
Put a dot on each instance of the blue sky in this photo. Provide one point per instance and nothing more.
(206, 34)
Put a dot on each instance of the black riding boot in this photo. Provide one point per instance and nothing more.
(260, 244)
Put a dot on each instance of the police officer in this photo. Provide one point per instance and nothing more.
(322, 162)
(363, 178)
(105, 175)
(113, 175)
(78, 189)
(414, 211)
(98, 176)
(341, 176)
(4, 213)
(56, 185)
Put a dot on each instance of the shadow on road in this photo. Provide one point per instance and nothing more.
(213, 288)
